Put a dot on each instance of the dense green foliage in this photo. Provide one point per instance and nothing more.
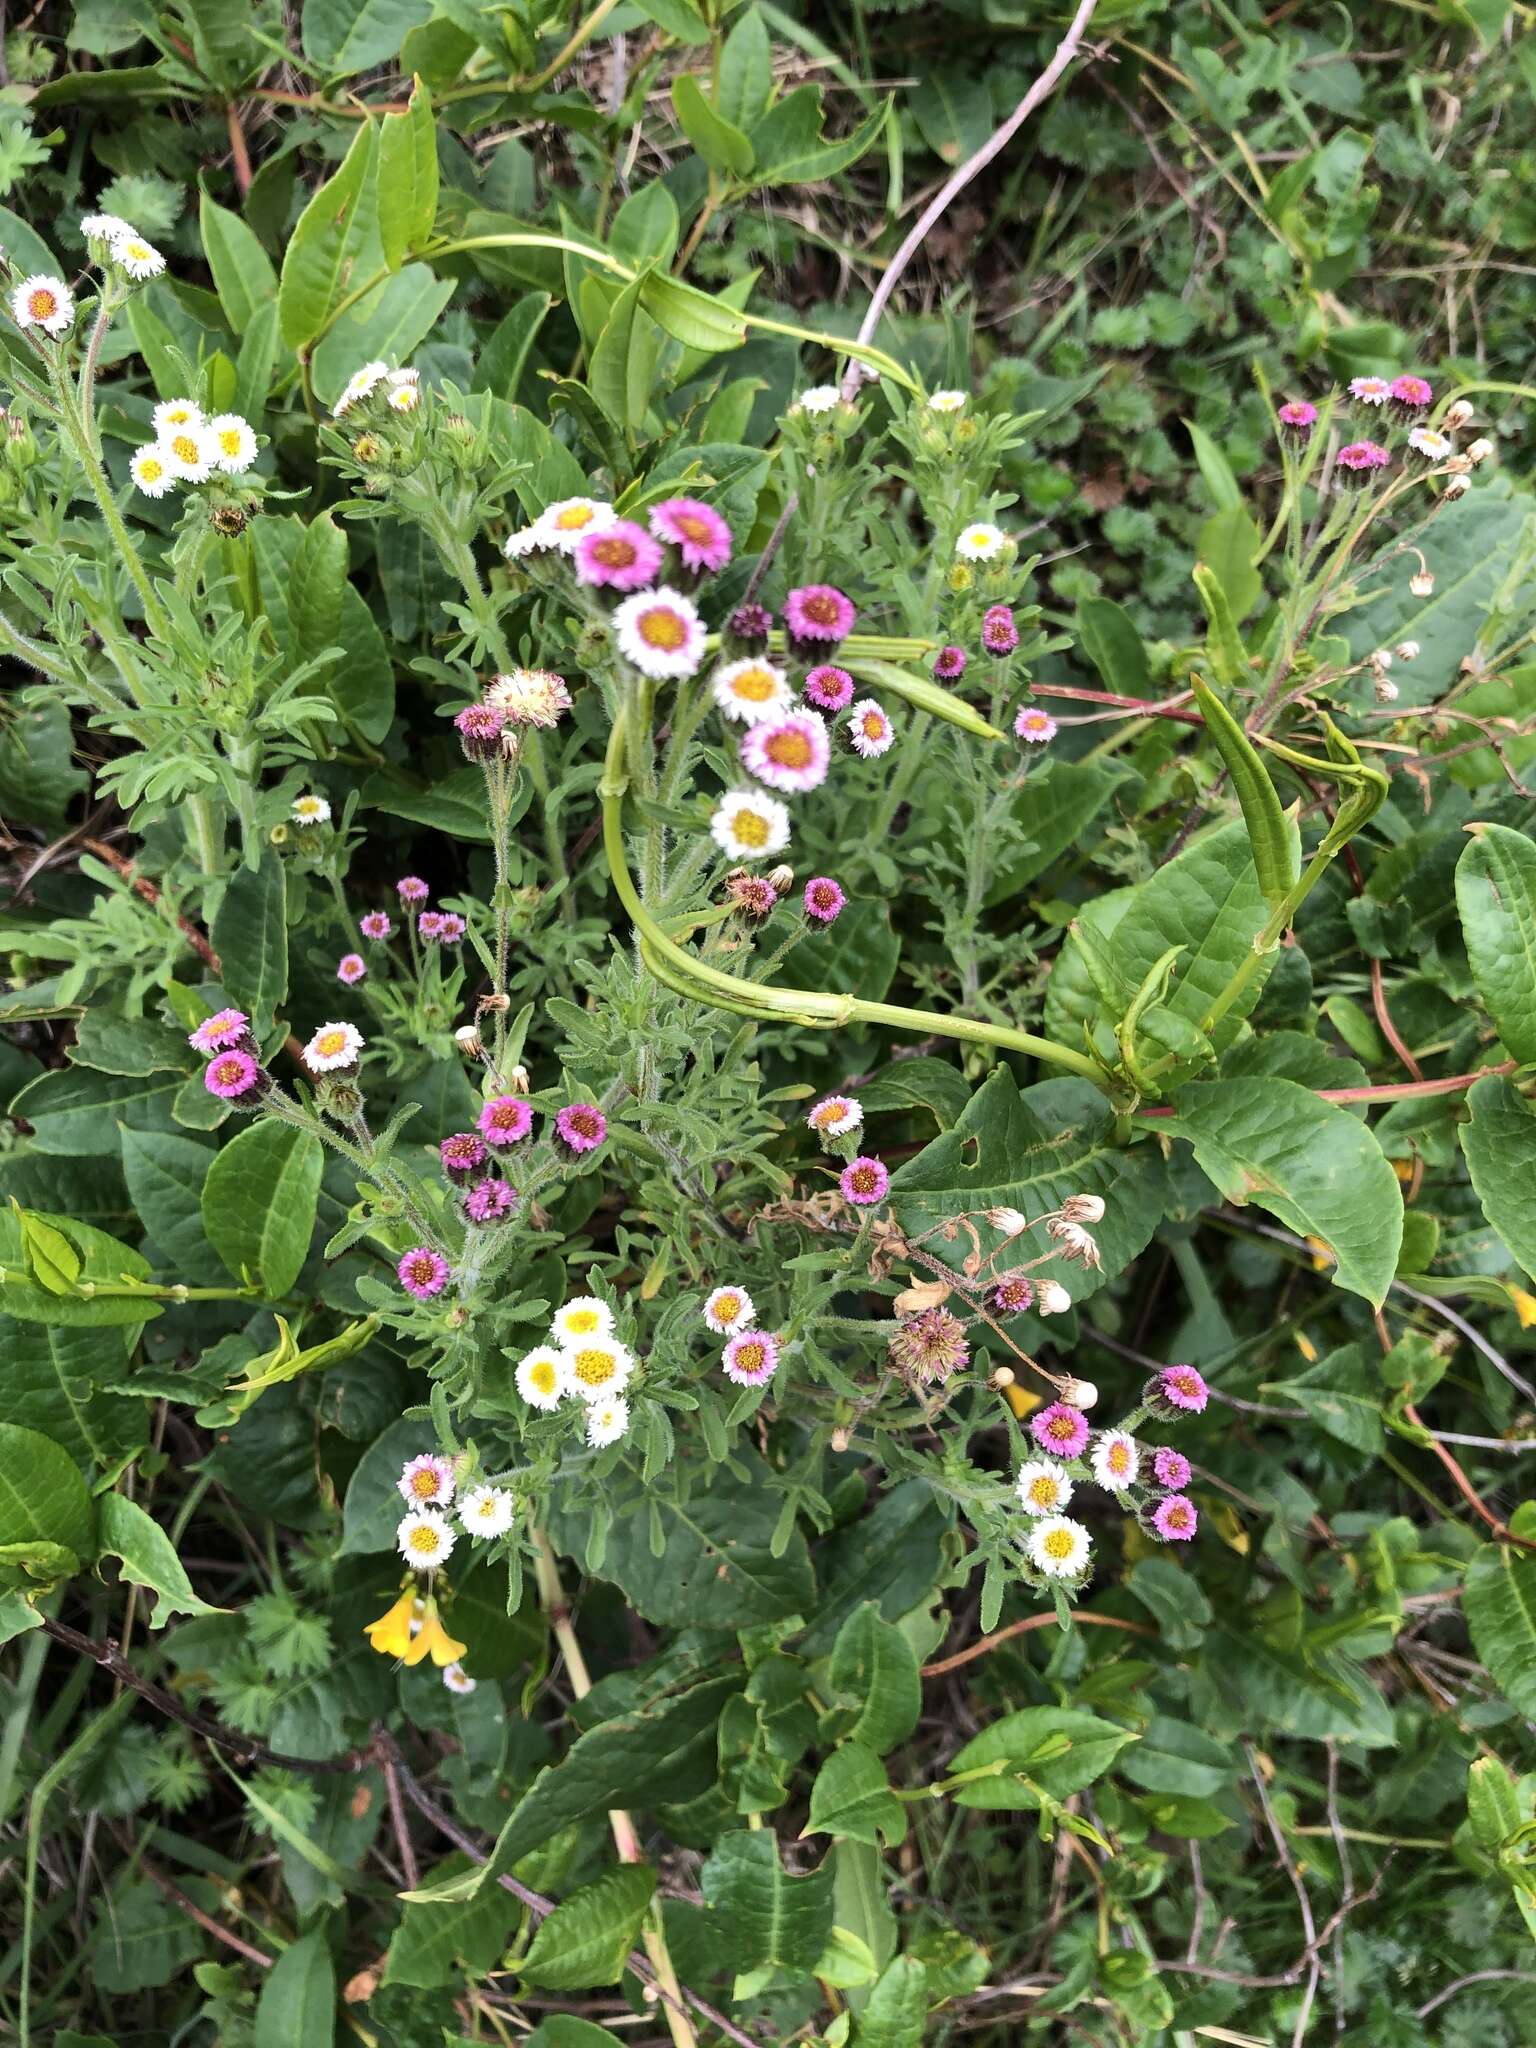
(1180, 970)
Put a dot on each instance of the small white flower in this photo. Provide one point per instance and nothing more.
(404, 394)
(234, 442)
(1051, 1298)
(139, 258)
(544, 1377)
(487, 1511)
(425, 1539)
(820, 398)
(583, 1317)
(1115, 1460)
(358, 387)
(311, 810)
(563, 523)
(171, 413)
(607, 1421)
(728, 1310)
(1059, 1547)
(1433, 446)
(750, 826)
(752, 690)
(835, 1116)
(150, 470)
(333, 1047)
(947, 401)
(599, 1367)
(1043, 1488)
(43, 301)
(660, 631)
(870, 732)
(527, 540)
(191, 453)
(980, 541)
(103, 227)
(457, 1679)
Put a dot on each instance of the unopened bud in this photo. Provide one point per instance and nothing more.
(781, 879)
(1386, 690)
(518, 1082)
(841, 1438)
(1457, 415)
(469, 1042)
(1479, 452)
(1083, 1209)
(1381, 659)
(1003, 1377)
(1407, 650)
(1457, 487)
(1080, 1393)
(1008, 1221)
(1422, 583)
(499, 1003)
(1051, 1298)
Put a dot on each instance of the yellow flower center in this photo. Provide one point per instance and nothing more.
(1058, 1544)
(138, 251)
(185, 448)
(693, 526)
(151, 469)
(229, 441)
(664, 629)
(43, 305)
(543, 1377)
(1043, 1492)
(594, 1367)
(789, 749)
(750, 1357)
(574, 518)
(582, 1322)
(823, 610)
(179, 416)
(872, 724)
(751, 828)
(1119, 1459)
(727, 1307)
(424, 1542)
(829, 1113)
(329, 1043)
(614, 551)
(424, 1484)
(756, 685)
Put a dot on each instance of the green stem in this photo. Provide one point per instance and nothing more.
(155, 616)
(1268, 938)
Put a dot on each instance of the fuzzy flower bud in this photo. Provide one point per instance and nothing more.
(1080, 1393)
(781, 879)
(1457, 487)
(1051, 1298)
(1386, 689)
(469, 1042)
(1422, 583)
(1078, 1246)
(1457, 415)
(1479, 451)
(1381, 660)
(1083, 1209)
(1407, 650)
(1008, 1221)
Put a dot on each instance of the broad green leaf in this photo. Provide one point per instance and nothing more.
(721, 144)
(335, 246)
(505, 356)
(890, 1556)
(242, 270)
(564, 2030)
(386, 325)
(1224, 488)
(143, 1940)
(646, 228)
(586, 1941)
(1498, 1140)
(1499, 1601)
(897, 2013)
(431, 1943)
(623, 369)
(250, 935)
(130, 1045)
(257, 361)
(1228, 542)
(372, 1509)
(873, 1661)
(1496, 897)
(1178, 1757)
(761, 1914)
(108, 1267)
(852, 1798)
(1209, 902)
(788, 147)
(58, 1380)
(296, 2007)
(680, 18)
(317, 576)
(75, 1111)
(1342, 1394)
(1052, 1750)
(744, 85)
(148, 1557)
(1493, 1803)
(1309, 1162)
(43, 1500)
(691, 316)
(259, 1204)
(1114, 646)
(408, 175)
(343, 37)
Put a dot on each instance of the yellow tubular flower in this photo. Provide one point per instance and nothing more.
(390, 1635)
(434, 1638)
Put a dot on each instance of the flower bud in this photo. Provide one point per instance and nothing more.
(1422, 583)
(1386, 690)
(1479, 452)
(1457, 487)
(1051, 1298)
(469, 1042)
(1407, 650)
(1381, 661)
(1457, 415)
(1080, 1393)
(781, 879)
(518, 1082)
(1008, 1221)
(842, 1437)
(1083, 1209)
(1003, 1377)
(1458, 465)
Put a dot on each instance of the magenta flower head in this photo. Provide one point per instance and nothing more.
(1299, 417)
(818, 611)
(619, 557)
(376, 924)
(224, 1031)
(1013, 1294)
(1412, 394)
(1170, 1468)
(235, 1077)
(1060, 1429)
(423, 1272)
(491, 1202)
(949, 663)
(351, 967)
(1034, 726)
(1360, 460)
(450, 928)
(429, 924)
(751, 1359)
(696, 530)
(462, 1156)
(505, 1120)
(479, 729)
(1175, 1518)
(791, 753)
(828, 687)
(824, 899)
(1179, 1386)
(582, 1126)
(412, 889)
(864, 1181)
(999, 635)
(753, 895)
(751, 623)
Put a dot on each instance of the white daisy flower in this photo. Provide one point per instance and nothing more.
(543, 1377)
(870, 732)
(750, 826)
(1433, 446)
(457, 1679)
(487, 1511)
(43, 301)
(1059, 1547)
(728, 1310)
(1115, 1460)
(311, 810)
(139, 258)
(820, 398)
(191, 452)
(176, 412)
(835, 1116)
(980, 542)
(751, 690)
(404, 393)
(150, 470)
(425, 1539)
(358, 387)
(104, 227)
(660, 631)
(234, 439)
(333, 1047)
(599, 1367)
(948, 401)
(528, 540)
(583, 1317)
(607, 1421)
(563, 523)
(1043, 1488)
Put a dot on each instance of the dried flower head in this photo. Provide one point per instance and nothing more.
(529, 696)
(753, 895)
(929, 1346)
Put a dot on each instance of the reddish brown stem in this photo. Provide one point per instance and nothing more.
(240, 154)
(1024, 1628)
(1467, 1490)
(1393, 1091)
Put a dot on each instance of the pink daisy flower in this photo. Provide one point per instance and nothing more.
(423, 1272)
(450, 928)
(790, 753)
(751, 1359)
(949, 663)
(582, 1126)
(224, 1031)
(479, 729)
(1013, 1294)
(1034, 726)
(824, 899)
(622, 557)
(505, 1120)
(864, 1181)
(999, 635)
(351, 967)
(1060, 1429)
(462, 1155)
(751, 622)
(233, 1077)
(426, 1481)
(696, 530)
(1370, 390)
(375, 925)
(1170, 1468)
(1360, 459)
(1300, 415)
(429, 924)
(754, 895)
(412, 889)
(870, 732)
(490, 1202)
(1182, 1387)
(1175, 1518)
(818, 611)
(1412, 394)
(828, 687)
